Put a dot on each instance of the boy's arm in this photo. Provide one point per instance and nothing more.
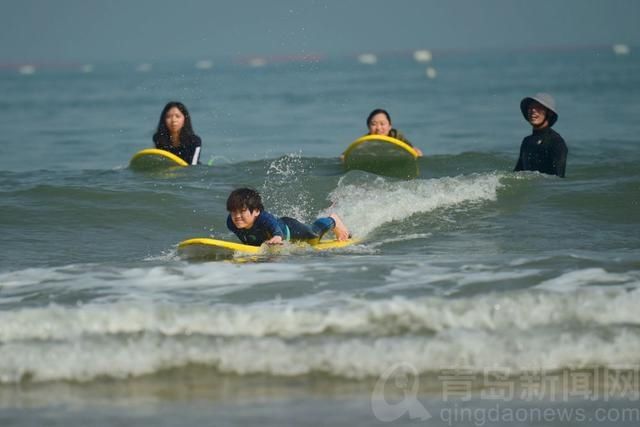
(271, 224)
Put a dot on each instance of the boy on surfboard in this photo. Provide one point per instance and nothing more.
(255, 226)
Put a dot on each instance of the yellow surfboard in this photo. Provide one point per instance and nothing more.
(204, 247)
(382, 155)
(154, 158)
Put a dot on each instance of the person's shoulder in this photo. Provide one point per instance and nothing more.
(268, 221)
(267, 216)
(397, 134)
(159, 140)
(554, 132)
(195, 140)
(556, 136)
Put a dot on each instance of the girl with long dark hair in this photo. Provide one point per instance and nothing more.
(175, 133)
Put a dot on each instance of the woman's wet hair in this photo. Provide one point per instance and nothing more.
(244, 198)
(375, 113)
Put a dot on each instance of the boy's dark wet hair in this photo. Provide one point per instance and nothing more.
(375, 113)
(244, 198)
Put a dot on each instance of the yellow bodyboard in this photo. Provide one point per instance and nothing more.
(154, 158)
(382, 155)
(204, 247)
(387, 142)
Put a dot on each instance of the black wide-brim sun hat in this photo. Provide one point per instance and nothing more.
(546, 101)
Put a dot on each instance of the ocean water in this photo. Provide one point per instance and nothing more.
(466, 280)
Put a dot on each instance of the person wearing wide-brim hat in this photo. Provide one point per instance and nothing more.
(544, 150)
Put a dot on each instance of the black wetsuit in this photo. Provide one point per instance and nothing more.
(189, 152)
(543, 151)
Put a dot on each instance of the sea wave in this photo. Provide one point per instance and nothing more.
(351, 338)
(368, 205)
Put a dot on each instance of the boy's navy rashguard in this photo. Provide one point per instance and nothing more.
(268, 225)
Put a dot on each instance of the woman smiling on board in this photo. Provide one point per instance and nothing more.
(175, 133)
(379, 123)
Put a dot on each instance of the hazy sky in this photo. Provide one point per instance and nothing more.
(144, 30)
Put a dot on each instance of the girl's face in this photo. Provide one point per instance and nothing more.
(379, 125)
(244, 218)
(174, 119)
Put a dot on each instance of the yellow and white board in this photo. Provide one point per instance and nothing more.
(154, 158)
(382, 155)
(204, 247)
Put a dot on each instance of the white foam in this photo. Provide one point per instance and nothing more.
(37, 276)
(132, 333)
(209, 278)
(350, 357)
(522, 310)
(167, 255)
(421, 275)
(574, 280)
(366, 206)
(404, 238)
